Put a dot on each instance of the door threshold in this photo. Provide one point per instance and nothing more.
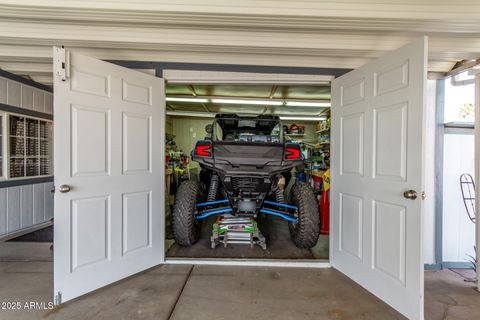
(300, 263)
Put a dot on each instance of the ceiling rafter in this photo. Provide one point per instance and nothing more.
(192, 90)
(272, 91)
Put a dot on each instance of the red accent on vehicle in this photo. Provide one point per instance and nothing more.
(324, 213)
(203, 150)
(293, 153)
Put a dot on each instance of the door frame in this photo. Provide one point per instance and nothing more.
(164, 67)
(212, 77)
(476, 72)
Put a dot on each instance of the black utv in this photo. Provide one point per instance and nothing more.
(246, 166)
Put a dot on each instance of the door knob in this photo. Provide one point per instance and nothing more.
(64, 188)
(410, 194)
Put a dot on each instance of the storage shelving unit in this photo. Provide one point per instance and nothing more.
(316, 163)
(298, 135)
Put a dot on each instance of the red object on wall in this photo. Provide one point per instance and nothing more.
(317, 183)
(324, 213)
(293, 128)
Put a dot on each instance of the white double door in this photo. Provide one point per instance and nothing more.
(377, 168)
(109, 149)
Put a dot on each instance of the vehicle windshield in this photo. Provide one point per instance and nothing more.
(247, 129)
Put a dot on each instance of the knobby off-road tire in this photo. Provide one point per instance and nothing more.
(186, 228)
(304, 233)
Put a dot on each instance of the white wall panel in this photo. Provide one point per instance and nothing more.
(458, 230)
(3, 211)
(48, 103)
(38, 203)
(48, 198)
(38, 100)
(27, 97)
(14, 209)
(24, 96)
(14, 93)
(25, 207)
(3, 90)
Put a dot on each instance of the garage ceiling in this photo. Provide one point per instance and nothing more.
(318, 93)
(335, 34)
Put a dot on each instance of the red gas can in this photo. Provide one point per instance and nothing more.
(324, 213)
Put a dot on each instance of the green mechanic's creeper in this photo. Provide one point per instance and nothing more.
(231, 229)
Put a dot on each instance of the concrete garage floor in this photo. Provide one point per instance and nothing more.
(277, 235)
(213, 292)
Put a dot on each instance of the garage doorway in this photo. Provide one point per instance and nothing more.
(302, 102)
(377, 168)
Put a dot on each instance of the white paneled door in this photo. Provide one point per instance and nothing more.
(377, 181)
(109, 181)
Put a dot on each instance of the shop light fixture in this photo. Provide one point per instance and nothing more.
(307, 104)
(179, 99)
(212, 115)
(266, 102)
(190, 114)
(247, 101)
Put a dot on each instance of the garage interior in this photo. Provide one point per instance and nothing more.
(304, 111)
(307, 38)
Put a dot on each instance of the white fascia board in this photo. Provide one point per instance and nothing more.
(215, 77)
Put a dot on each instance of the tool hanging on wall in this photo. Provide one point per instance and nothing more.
(467, 185)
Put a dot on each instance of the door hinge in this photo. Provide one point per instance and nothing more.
(58, 298)
(61, 63)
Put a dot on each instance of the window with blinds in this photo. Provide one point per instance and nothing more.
(30, 147)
